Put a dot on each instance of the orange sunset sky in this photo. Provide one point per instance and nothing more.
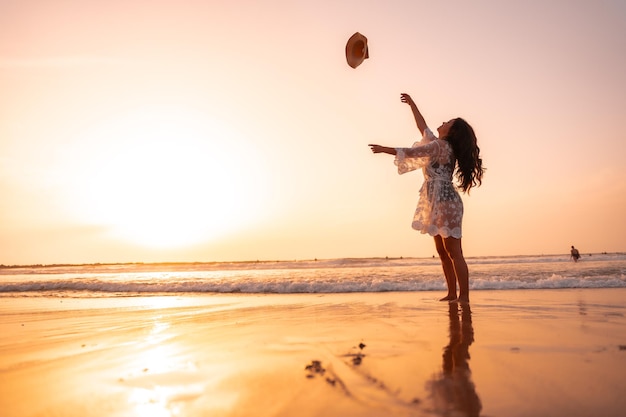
(188, 130)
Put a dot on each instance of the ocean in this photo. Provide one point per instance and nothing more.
(309, 276)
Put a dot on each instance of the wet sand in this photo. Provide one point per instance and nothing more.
(509, 353)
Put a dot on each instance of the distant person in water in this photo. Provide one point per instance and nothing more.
(574, 254)
(440, 208)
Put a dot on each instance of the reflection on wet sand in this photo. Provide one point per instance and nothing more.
(453, 391)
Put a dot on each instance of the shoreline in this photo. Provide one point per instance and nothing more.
(514, 353)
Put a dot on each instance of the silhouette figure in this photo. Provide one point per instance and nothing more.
(575, 255)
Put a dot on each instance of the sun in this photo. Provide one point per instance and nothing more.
(166, 178)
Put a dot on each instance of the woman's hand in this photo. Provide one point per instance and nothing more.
(382, 149)
(405, 98)
(375, 148)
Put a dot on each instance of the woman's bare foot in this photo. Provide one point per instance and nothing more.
(463, 299)
(449, 297)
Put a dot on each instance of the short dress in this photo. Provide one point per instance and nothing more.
(440, 208)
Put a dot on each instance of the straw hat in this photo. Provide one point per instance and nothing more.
(356, 50)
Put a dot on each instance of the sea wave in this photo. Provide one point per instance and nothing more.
(313, 276)
(294, 285)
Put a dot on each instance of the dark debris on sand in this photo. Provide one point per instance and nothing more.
(315, 368)
(357, 358)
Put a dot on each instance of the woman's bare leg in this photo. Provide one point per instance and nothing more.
(455, 252)
(448, 269)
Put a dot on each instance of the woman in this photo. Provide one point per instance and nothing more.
(440, 208)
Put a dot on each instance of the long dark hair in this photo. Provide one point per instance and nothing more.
(469, 170)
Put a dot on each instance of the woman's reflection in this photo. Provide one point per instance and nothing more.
(453, 391)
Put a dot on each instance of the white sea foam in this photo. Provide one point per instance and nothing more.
(324, 276)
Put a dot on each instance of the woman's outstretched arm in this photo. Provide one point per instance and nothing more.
(419, 119)
(382, 149)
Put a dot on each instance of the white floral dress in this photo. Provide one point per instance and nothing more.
(440, 208)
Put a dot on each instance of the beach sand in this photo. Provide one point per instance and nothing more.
(516, 353)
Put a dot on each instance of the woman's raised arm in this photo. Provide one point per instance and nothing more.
(419, 119)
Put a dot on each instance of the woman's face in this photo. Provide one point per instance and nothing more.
(445, 128)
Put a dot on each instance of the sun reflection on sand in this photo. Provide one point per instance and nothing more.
(151, 402)
(165, 381)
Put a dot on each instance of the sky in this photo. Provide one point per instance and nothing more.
(188, 130)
